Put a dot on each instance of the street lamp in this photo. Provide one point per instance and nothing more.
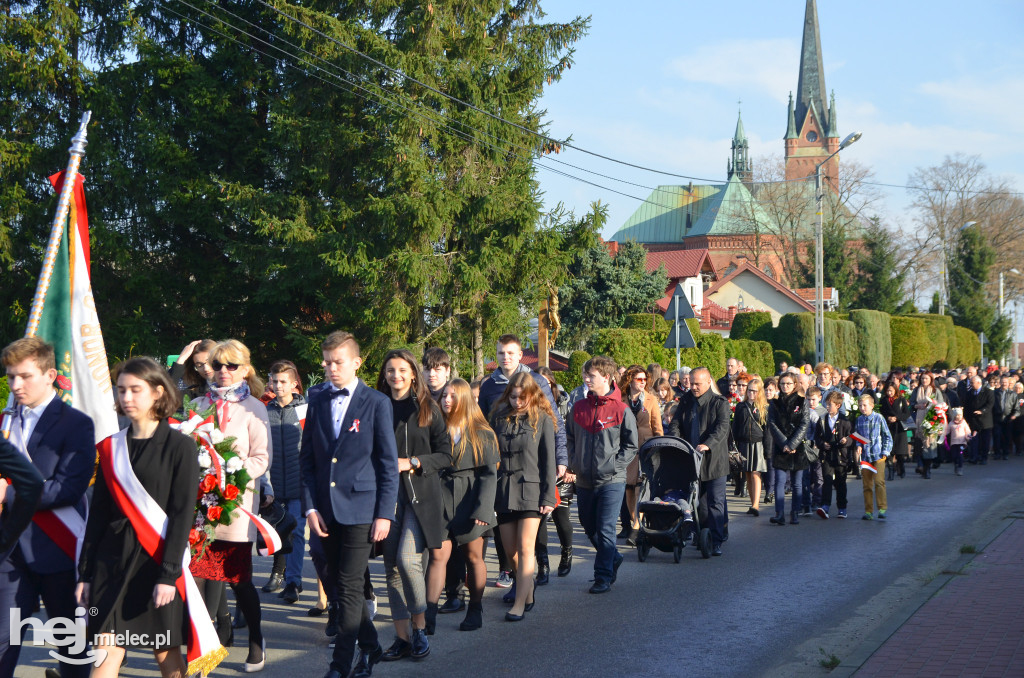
(819, 291)
(944, 274)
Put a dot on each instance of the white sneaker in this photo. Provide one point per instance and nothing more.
(504, 580)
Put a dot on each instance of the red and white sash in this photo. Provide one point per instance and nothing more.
(150, 523)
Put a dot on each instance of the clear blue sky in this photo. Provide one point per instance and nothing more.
(657, 84)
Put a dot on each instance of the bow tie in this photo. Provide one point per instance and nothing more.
(338, 393)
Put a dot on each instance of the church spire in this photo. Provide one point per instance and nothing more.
(791, 125)
(833, 127)
(811, 85)
(740, 164)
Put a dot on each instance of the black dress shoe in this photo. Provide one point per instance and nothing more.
(274, 583)
(452, 604)
(615, 567)
(333, 613)
(400, 649)
(717, 551)
(290, 594)
(333, 673)
(565, 564)
(601, 586)
(364, 667)
(474, 618)
(514, 617)
(315, 612)
(420, 644)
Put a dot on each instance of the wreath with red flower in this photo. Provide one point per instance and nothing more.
(223, 476)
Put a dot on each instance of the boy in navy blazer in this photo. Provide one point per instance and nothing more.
(59, 441)
(349, 466)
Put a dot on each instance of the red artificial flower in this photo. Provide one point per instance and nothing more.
(195, 536)
(63, 383)
(213, 513)
(209, 482)
(230, 492)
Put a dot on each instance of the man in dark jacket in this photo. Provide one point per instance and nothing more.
(1007, 408)
(602, 439)
(732, 369)
(702, 419)
(978, 404)
(18, 470)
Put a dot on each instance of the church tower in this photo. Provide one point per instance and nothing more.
(740, 164)
(811, 131)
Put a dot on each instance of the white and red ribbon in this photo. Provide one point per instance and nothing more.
(868, 466)
(859, 438)
(300, 410)
(150, 523)
(270, 536)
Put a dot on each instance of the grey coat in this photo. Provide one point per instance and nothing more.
(468, 491)
(526, 477)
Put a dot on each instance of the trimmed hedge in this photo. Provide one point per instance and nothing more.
(842, 347)
(795, 335)
(910, 344)
(570, 378)
(941, 335)
(968, 347)
(643, 346)
(751, 325)
(646, 321)
(874, 339)
(781, 357)
(756, 355)
(626, 347)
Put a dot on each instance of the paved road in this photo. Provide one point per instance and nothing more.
(764, 608)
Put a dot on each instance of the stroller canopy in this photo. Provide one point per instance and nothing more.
(669, 463)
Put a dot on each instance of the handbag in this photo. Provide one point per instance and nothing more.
(810, 452)
(283, 522)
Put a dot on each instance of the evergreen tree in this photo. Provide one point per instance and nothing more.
(880, 286)
(970, 305)
(602, 291)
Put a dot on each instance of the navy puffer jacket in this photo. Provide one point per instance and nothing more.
(286, 436)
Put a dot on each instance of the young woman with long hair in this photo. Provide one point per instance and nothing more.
(644, 405)
(468, 494)
(424, 449)
(132, 593)
(749, 430)
(524, 425)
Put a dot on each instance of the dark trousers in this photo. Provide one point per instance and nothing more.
(21, 589)
(712, 510)
(455, 573)
(836, 480)
(813, 483)
(319, 558)
(980, 446)
(598, 509)
(347, 549)
(1007, 439)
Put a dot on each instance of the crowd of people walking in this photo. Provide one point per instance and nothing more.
(421, 469)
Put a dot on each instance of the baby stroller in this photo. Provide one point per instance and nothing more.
(670, 485)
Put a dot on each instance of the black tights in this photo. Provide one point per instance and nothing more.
(249, 604)
(560, 517)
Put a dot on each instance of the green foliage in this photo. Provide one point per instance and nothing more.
(795, 335)
(571, 378)
(642, 347)
(756, 356)
(756, 325)
(710, 353)
(941, 335)
(880, 284)
(842, 347)
(969, 270)
(5, 392)
(646, 321)
(910, 344)
(968, 347)
(780, 356)
(602, 292)
(874, 339)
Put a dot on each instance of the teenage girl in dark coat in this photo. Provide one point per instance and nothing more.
(788, 421)
(895, 410)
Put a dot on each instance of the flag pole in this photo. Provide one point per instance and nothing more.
(77, 151)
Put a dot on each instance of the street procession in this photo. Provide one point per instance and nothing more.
(397, 339)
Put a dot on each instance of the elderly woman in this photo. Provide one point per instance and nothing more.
(234, 393)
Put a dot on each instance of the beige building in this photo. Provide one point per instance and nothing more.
(749, 289)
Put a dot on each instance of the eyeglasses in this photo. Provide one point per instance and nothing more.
(218, 366)
(639, 378)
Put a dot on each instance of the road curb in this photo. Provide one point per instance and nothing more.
(856, 659)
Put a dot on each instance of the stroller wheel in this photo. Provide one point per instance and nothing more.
(677, 552)
(643, 547)
(705, 542)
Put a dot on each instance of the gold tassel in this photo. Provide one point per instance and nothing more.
(208, 662)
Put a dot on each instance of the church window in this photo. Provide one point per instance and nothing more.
(769, 271)
(812, 136)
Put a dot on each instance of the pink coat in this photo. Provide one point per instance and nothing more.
(247, 422)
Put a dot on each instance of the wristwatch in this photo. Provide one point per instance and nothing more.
(415, 463)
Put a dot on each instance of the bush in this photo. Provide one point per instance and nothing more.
(756, 355)
(968, 347)
(795, 336)
(841, 344)
(781, 357)
(910, 345)
(626, 347)
(571, 378)
(646, 321)
(751, 325)
(710, 353)
(874, 338)
(5, 392)
(942, 336)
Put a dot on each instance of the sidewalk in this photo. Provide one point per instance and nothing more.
(972, 626)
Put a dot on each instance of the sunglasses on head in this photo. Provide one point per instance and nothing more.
(218, 366)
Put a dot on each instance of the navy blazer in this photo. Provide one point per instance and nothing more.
(62, 448)
(352, 479)
(28, 485)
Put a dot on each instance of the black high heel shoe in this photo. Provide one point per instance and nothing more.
(529, 605)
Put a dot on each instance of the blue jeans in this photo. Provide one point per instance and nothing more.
(293, 560)
(598, 511)
(780, 495)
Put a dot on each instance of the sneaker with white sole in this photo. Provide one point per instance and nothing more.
(504, 580)
(822, 512)
(842, 513)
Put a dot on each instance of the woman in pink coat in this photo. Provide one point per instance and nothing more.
(235, 392)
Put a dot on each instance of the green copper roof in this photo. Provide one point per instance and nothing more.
(833, 126)
(791, 125)
(672, 213)
(740, 135)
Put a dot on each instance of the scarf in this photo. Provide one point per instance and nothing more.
(235, 393)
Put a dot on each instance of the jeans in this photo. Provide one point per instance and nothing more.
(598, 511)
(781, 476)
(712, 509)
(347, 550)
(813, 483)
(769, 476)
(293, 560)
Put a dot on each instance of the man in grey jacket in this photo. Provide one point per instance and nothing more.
(702, 419)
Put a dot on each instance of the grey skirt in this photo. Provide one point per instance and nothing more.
(754, 452)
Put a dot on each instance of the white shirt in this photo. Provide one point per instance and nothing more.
(339, 405)
(29, 417)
